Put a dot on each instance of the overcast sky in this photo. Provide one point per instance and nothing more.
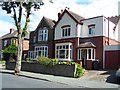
(85, 8)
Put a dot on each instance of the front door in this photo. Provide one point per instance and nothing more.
(84, 57)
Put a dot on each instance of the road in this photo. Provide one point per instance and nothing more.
(12, 81)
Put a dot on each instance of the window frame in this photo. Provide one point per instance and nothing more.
(92, 56)
(43, 34)
(66, 31)
(67, 48)
(91, 29)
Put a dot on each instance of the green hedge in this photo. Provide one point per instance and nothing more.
(51, 62)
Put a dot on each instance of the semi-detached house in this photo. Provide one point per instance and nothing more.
(77, 38)
(41, 40)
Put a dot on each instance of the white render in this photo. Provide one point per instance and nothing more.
(65, 20)
(98, 21)
(111, 26)
(77, 30)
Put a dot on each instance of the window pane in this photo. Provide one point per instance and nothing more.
(66, 54)
(63, 32)
(67, 46)
(66, 34)
(70, 54)
(93, 54)
(68, 31)
(57, 47)
(63, 46)
(57, 54)
(89, 52)
(62, 53)
(60, 47)
(90, 31)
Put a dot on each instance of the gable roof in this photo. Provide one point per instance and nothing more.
(14, 34)
(9, 35)
(50, 22)
(114, 19)
(73, 15)
(87, 45)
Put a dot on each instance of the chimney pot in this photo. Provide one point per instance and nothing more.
(11, 30)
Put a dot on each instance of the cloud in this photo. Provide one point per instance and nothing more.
(5, 27)
(85, 8)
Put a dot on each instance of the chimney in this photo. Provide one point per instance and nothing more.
(60, 13)
(11, 30)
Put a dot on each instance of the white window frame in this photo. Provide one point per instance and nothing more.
(92, 28)
(92, 53)
(66, 31)
(42, 33)
(42, 49)
(34, 54)
(57, 51)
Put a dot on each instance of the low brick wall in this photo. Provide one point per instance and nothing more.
(60, 70)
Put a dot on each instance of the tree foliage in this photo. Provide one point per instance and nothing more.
(11, 50)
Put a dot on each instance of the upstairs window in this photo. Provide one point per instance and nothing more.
(5, 43)
(66, 30)
(43, 35)
(34, 39)
(91, 29)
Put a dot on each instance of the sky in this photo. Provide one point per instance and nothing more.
(85, 8)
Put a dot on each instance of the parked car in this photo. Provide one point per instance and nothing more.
(118, 75)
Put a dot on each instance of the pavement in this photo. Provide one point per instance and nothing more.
(78, 82)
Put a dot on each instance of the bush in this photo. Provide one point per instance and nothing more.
(43, 60)
(79, 71)
(53, 62)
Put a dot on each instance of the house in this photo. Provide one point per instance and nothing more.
(0, 48)
(83, 40)
(42, 40)
(75, 38)
(11, 37)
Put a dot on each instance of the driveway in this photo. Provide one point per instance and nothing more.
(100, 75)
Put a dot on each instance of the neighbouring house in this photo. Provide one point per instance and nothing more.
(42, 40)
(11, 37)
(83, 40)
(0, 48)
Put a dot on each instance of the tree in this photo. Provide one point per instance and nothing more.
(10, 51)
(10, 8)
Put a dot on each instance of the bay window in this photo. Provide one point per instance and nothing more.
(86, 53)
(39, 51)
(64, 51)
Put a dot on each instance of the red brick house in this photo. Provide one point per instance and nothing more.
(11, 37)
(42, 39)
(83, 40)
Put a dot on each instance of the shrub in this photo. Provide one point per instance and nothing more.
(53, 62)
(43, 60)
(79, 71)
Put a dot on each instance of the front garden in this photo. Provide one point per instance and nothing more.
(50, 66)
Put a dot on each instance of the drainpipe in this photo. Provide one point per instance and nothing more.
(77, 35)
(108, 30)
